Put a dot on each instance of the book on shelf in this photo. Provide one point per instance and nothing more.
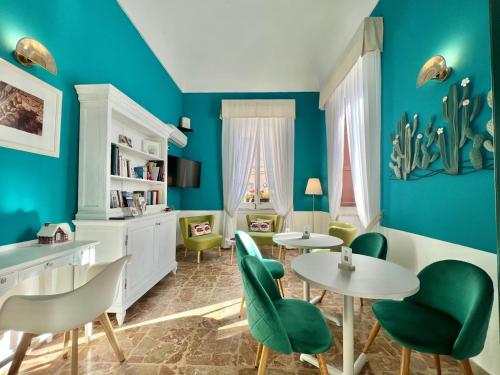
(155, 170)
(137, 199)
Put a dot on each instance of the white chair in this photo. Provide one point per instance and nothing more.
(36, 315)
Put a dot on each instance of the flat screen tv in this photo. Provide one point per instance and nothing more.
(183, 173)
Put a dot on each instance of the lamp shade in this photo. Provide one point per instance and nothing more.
(314, 187)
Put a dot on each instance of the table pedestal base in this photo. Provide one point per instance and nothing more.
(358, 365)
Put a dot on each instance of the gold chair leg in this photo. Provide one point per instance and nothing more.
(323, 293)
(371, 337)
(67, 336)
(21, 350)
(110, 333)
(323, 370)
(437, 364)
(405, 361)
(220, 252)
(199, 257)
(263, 360)
(74, 351)
(242, 305)
(466, 367)
(257, 356)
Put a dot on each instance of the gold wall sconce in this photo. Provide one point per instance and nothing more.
(434, 69)
(31, 52)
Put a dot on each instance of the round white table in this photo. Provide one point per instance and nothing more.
(315, 241)
(373, 278)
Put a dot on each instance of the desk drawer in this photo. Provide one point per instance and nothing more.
(42, 267)
(7, 281)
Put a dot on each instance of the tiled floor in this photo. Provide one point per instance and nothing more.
(188, 324)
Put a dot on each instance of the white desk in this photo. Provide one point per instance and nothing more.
(373, 278)
(34, 269)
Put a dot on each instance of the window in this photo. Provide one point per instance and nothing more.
(347, 199)
(257, 194)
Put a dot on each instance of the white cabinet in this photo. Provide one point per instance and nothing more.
(150, 240)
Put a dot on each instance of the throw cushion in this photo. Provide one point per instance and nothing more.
(261, 226)
(199, 229)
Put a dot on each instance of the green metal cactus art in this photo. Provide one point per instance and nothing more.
(488, 144)
(413, 151)
(459, 114)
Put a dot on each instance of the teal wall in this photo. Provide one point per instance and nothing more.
(458, 209)
(93, 42)
(204, 144)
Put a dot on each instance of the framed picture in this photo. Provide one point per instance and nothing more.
(151, 147)
(30, 112)
(125, 140)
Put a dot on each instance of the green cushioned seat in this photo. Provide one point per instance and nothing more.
(264, 238)
(275, 267)
(371, 244)
(345, 231)
(449, 314)
(282, 325)
(417, 327)
(245, 245)
(204, 242)
(304, 325)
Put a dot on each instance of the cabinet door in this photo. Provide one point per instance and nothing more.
(140, 244)
(166, 233)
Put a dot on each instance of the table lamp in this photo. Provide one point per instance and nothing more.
(313, 188)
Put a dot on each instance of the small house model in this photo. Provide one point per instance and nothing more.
(53, 233)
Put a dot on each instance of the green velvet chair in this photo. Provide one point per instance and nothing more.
(199, 243)
(448, 316)
(246, 246)
(265, 238)
(371, 244)
(283, 325)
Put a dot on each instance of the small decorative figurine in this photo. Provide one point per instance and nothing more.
(53, 233)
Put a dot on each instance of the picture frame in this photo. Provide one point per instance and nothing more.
(124, 140)
(30, 112)
(151, 147)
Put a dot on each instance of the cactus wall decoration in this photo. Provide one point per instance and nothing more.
(414, 153)
(488, 144)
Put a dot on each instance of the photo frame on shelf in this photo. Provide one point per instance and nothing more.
(124, 140)
(151, 147)
(30, 112)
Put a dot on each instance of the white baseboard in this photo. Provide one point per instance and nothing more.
(416, 252)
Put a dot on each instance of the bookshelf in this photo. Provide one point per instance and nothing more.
(115, 133)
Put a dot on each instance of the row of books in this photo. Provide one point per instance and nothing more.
(136, 199)
(121, 166)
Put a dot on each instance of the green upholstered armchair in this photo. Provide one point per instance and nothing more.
(265, 238)
(199, 243)
(346, 232)
(448, 316)
(283, 325)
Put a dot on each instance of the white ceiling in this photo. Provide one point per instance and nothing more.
(247, 45)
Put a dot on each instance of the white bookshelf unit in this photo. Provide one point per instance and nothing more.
(105, 114)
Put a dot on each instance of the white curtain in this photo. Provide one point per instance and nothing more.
(335, 122)
(357, 100)
(239, 145)
(277, 137)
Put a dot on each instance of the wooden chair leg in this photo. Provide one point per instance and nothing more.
(74, 351)
(361, 302)
(185, 252)
(280, 252)
(263, 360)
(220, 252)
(110, 333)
(371, 337)
(232, 254)
(405, 361)
(323, 293)
(199, 257)
(466, 367)
(67, 336)
(242, 305)
(257, 356)
(280, 287)
(437, 364)
(323, 370)
(272, 250)
(21, 350)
